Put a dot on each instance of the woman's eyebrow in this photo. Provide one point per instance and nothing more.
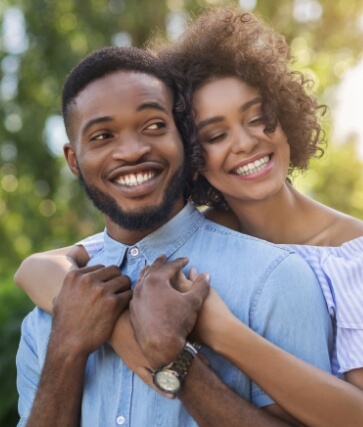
(248, 104)
(216, 119)
(212, 120)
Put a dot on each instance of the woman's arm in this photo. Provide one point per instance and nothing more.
(355, 377)
(312, 396)
(41, 275)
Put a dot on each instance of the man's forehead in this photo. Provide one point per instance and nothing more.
(119, 94)
(135, 84)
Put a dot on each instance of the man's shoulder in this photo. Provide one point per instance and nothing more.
(235, 239)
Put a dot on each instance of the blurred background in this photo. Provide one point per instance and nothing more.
(42, 205)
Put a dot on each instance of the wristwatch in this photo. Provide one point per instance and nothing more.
(169, 378)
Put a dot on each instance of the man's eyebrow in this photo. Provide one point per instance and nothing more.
(217, 119)
(151, 106)
(96, 121)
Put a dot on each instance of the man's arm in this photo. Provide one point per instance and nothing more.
(59, 395)
(212, 404)
(84, 314)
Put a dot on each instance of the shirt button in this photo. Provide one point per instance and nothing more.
(120, 420)
(134, 251)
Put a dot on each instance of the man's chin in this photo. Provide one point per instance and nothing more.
(139, 218)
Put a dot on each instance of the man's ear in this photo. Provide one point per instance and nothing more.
(71, 158)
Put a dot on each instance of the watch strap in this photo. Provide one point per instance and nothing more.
(182, 363)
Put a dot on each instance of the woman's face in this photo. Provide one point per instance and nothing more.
(241, 160)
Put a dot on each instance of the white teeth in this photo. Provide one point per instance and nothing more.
(132, 180)
(253, 167)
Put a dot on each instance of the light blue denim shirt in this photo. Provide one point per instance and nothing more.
(269, 288)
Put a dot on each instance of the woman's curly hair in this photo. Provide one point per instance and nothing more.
(229, 42)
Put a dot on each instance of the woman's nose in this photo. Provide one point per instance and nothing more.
(243, 140)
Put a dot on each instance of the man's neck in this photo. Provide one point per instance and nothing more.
(131, 237)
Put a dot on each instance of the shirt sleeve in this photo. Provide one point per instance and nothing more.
(93, 244)
(340, 273)
(290, 311)
(28, 370)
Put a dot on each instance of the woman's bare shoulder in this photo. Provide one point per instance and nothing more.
(343, 228)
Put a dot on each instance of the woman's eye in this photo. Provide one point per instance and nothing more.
(257, 120)
(209, 139)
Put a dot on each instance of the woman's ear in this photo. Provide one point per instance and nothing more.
(71, 158)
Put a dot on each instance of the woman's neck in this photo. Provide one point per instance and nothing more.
(288, 217)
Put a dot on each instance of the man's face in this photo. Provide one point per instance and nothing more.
(127, 151)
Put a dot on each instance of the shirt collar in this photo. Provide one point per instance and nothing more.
(165, 240)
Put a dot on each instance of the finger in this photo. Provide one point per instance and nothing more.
(199, 290)
(193, 274)
(143, 272)
(118, 284)
(89, 269)
(124, 299)
(172, 268)
(106, 273)
(181, 283)
(73, 276)
(159, 262)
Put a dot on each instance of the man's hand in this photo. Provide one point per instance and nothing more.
(161, 316)
(87, 307)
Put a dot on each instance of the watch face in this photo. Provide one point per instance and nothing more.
(167, 380)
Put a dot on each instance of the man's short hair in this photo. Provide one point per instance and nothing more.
(108, 60)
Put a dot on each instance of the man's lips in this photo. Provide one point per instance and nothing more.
(132, 176)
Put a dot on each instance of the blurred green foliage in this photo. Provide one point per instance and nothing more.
(41, 205)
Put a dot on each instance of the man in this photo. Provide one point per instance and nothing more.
(128, 154)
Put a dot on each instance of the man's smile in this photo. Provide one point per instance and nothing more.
(131, 180)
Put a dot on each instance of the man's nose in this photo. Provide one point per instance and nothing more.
(130, 148)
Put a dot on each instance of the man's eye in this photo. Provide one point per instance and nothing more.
(101, 136)
(156, 126)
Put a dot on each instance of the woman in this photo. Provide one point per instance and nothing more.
(255, 124)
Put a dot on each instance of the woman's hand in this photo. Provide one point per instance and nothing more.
(212, 318)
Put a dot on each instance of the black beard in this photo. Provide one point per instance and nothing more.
(144, 218)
